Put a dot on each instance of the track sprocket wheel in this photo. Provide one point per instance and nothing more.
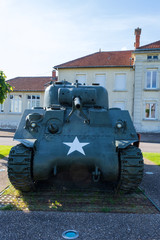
(20, 168)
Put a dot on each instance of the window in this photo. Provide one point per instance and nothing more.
(101, 79)
(149, 57)
(16, 103)
(151, 82)
(119, 104)
(81, 78)
(33, 101)
(150, 110)
(155, 57)
(152, 57)
(1, 107)
(120, 81)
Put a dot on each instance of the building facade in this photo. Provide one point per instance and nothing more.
(132, 79)
(28, 92)
(147, 88)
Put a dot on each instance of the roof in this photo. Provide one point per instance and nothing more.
(101, 59)
(35, 84)
(153, 45)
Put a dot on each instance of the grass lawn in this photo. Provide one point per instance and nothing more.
(154, 157)
(4, 150)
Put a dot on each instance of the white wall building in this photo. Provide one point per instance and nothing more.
(147, 88)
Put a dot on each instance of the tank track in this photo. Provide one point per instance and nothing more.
(131, 169)
(20, 168)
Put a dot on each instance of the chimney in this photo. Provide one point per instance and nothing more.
(137, 33)
(54, 75)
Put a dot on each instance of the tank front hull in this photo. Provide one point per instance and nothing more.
(92, 151)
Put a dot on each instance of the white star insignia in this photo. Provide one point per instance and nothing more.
(76, 146)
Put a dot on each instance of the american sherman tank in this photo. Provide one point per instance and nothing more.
(76, 128)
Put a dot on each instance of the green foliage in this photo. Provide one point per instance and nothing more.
(154, 157)
(4, 87)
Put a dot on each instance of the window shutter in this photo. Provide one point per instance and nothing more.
(101, 79)
(120, 82)
(81, 78)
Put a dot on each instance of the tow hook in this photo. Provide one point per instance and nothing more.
(96, 175)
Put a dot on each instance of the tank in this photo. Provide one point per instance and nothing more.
(76, 129)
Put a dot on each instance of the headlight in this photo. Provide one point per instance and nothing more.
(33, 124)
(119, 124)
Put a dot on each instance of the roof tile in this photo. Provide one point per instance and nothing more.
(35, 84)
(151, 45)
(101, 59)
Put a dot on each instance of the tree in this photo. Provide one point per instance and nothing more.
(4, 87)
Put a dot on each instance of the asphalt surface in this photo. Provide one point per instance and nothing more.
(150, 147)
(91, 226)
(151, 182)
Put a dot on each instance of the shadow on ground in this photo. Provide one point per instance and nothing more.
(62, 194)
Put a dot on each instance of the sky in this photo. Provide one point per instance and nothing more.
(36, 35)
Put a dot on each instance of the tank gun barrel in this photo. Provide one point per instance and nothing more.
(77, 102)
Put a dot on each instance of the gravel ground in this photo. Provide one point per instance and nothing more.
(48, 226)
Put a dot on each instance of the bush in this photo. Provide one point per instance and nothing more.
(4, 87)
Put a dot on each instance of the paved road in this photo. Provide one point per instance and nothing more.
(150, 147)
(8, 141)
